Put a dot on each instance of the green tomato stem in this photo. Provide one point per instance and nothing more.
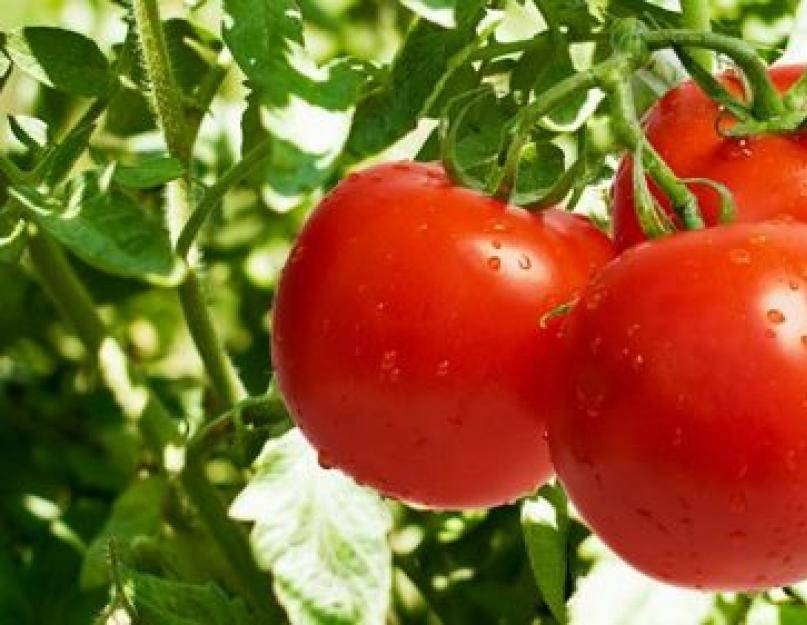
(220, 368)
(628, 131)
(166, 94)
(238, 172)
(168, 105)
(532, 114)
(767, 104)
(696, 15)
(231, 541)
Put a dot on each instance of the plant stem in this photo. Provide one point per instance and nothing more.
(530, 115)
(230, 539)
(166, 94)
(238, 172)
(219, 367)
(158, 427)
(766, 103)
(168, 105)
(697, 16)
(628, 132)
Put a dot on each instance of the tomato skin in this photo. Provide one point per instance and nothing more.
(682, 126)
(681, 430)
(406, 334)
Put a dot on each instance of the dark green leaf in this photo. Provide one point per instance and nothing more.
(149, 173)
(429, 56)
(137, 512)
(322, 536)
(545, 522)
(193, 51)
(64, 156)
(266, 39)
(159, 601)
(62, 59)
(109, 231)
(303, 106)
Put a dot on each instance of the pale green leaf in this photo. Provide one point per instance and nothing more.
(322, 537)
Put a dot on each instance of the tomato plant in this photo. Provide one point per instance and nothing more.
(408, 334)
(685, 127)
(681, 451)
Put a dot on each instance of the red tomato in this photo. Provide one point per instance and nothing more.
(681, 428)
(407, 336)
(682, 126)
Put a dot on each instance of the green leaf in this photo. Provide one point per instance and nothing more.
(62, 59)
(792, 614)
(13, 238)
(545, 523)
(193, 51)
(428, 58)
(109, 231)
(440, 12)
(305, 107)
(322, 536)
(266, 39)
(149, 173)
(64, 156)
(159, 601)
(138, 511)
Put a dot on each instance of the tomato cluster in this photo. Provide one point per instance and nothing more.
(429, 340)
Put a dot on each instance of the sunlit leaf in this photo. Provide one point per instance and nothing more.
(322, 536)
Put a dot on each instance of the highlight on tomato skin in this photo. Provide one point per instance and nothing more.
(680, 430)
(683, 128)
(407, 334)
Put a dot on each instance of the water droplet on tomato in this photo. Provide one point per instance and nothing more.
(638, 362)
(324, 460)
(443, 368)
(389, 360)
(498, 227)
(758, 239)
(497, 245)
(595, 345)
(380, 306)
(643, 512)
(794, 286)
(740, 256)
(494, 262)
(775, 315)
(633, 329)
(791, 462)
(739, 503)
(678, 437)
(738, 537)
(395, 375)
(524, 262)
(770, 333)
